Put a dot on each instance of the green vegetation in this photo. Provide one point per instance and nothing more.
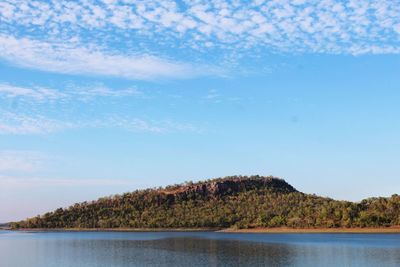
(237, 201)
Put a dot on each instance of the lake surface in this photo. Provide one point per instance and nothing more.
(89, 249)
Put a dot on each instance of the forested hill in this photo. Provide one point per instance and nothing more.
(236, 201)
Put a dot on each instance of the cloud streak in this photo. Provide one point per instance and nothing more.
(20, 124)
(76, 59)
(74, 93)
(20, 161)
(151, 126)
(37, 93)
(18, 182)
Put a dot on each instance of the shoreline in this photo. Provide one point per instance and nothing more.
(116, 229)
(278, 230)
(283, 230)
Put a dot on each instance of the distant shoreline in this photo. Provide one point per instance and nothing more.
(315, 230)
(117, 229)
(282, 230)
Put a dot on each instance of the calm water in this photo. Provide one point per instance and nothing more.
(28, 249)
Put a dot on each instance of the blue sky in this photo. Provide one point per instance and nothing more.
(105, 97)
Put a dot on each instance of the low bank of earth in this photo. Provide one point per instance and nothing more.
(314, 230)
(228, 230)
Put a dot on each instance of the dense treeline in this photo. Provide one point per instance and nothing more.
(241, 202)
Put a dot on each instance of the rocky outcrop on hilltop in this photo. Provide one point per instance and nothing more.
(228, 186)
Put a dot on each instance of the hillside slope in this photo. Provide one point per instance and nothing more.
(236, 201)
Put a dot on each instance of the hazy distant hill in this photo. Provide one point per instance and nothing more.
(236, 201)
(4, 225)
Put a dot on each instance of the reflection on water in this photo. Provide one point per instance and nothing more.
(197, 249)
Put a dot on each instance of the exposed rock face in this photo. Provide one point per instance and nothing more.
(228, 186)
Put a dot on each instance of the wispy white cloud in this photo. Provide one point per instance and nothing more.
(20, 161)
(103, 91)
(71, 93)
(76, 59)
(18, 182)
(213, 96)
(140, 125)
(36, 93)
(21, 124)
